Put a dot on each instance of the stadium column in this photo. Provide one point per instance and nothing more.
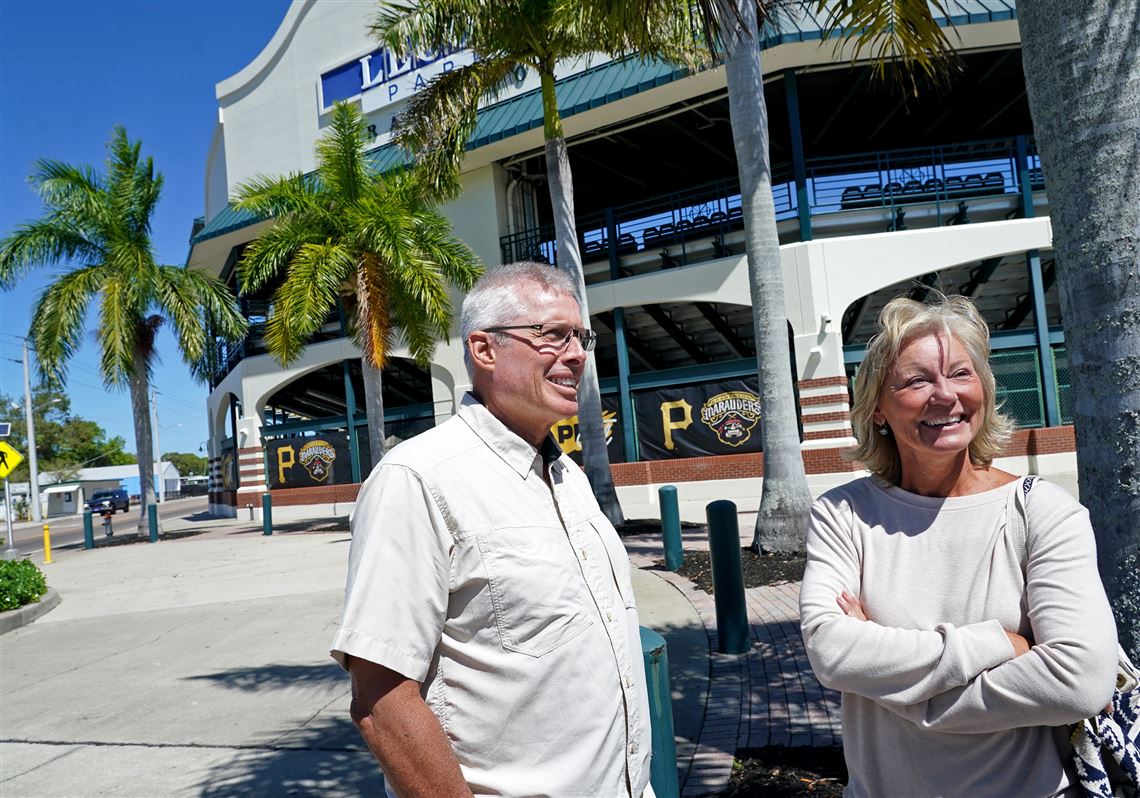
(1037, 289)
(251, 477)
(799, 167)
(825, 407)
(625, 398)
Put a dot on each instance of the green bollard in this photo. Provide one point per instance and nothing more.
(266, 514)
(152, 521)
(671, 527)
(88, 531)
(728, 578)
(663, 765)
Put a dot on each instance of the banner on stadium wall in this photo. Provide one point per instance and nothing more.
(305, 462)
(567, 436)
(722, 417)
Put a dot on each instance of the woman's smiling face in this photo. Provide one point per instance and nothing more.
(932, 400)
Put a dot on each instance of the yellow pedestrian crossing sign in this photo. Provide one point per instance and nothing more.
(9, 460)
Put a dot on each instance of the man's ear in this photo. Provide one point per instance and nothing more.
(481, 350)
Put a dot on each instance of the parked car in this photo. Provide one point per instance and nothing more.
(103, 500)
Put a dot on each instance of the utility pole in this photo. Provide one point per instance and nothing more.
(33, 473)
(157, 448)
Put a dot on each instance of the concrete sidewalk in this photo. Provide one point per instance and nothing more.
(199, 666)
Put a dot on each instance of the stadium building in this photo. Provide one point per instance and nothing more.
(878, 193)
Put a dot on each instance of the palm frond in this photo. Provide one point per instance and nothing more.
(42, 242)
(438, 121)
(200, 306)
(306, 297)
(671, 30)
(58, 319)
(270, 253)
(121, 331)
(902, 32)
(341, 166)
(407, 26)
(276, 196)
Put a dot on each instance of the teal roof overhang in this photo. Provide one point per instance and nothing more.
(617, 80)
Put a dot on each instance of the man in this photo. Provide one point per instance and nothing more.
(490, 627)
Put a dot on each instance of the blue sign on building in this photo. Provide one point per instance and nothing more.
(394, 78)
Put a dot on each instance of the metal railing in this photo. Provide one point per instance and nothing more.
(670, 224)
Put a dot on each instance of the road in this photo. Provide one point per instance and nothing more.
(68, 530)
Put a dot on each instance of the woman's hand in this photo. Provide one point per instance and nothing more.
(851, 606)
(1021, 645)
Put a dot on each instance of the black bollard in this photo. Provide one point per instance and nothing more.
(88, 530)
(152, 521)
(728, 578)
(671, 527)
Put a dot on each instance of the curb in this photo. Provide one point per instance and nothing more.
(14, 619)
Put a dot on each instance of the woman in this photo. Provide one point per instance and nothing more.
(956, 645)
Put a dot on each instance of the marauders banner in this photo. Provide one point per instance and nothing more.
(566, 433)
(721, 417)
(304, 462)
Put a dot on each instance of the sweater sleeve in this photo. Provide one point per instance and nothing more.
(890, 665)
(1069, 672)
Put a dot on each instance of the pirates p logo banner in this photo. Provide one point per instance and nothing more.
(317, 457)
(732, 416)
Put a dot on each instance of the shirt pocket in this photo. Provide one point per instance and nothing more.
(618, 560)
(535, 587)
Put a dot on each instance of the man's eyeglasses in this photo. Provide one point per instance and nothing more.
(556, 335)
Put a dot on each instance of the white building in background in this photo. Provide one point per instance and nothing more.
(876, 194)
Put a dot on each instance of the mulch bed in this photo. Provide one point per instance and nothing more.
(644, 526)
(778, 772)
(759, 569)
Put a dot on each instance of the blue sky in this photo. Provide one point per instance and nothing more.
(69, 72)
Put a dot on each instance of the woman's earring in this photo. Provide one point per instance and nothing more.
(883, 430)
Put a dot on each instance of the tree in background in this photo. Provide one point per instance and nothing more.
(188, 465)
(375, 242)
(64, 443)
(99, 226)
(1082, 75)
(506, 36)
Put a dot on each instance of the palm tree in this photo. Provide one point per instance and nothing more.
(101, 224)
(889, 29)
(505, 36)
(350, 233)
(1082, 75)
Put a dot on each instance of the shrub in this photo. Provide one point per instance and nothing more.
(21, 582)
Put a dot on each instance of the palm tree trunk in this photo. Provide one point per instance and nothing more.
(591, 429)
(785, 502)
(374, 407)
(139, 387)
(1082, 75)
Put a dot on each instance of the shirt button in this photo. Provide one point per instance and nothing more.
(584, 555)
(610, 617)
(628, 681)
(633, 748)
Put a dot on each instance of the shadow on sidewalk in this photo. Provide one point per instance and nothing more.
(275, 677)
(324, 758)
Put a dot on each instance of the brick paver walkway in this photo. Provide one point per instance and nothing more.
(766, 696)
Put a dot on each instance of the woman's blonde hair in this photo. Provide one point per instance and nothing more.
(901, 321)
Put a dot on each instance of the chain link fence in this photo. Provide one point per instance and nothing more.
(1019, 386)
(1064, 384)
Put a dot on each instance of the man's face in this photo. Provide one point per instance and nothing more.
(534, 383)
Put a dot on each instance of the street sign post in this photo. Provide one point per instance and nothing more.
(9, 460)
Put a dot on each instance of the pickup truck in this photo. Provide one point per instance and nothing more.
(103, 500)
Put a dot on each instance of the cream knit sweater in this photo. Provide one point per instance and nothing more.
(934, 702)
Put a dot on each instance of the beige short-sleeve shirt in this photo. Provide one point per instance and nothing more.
(510, 600)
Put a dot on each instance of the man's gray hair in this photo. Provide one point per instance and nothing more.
(494, 299)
